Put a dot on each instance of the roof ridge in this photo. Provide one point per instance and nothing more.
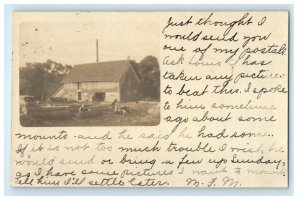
(101, 62)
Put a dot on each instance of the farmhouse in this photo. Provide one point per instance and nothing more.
(102, 82)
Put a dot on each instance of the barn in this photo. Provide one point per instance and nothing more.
(101, 82)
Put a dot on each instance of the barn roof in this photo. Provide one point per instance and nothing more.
(111, 71)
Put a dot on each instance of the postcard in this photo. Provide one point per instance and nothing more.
(150, 99)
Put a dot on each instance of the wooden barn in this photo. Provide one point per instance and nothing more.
(101, 82)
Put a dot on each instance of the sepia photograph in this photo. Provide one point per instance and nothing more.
(87, 73)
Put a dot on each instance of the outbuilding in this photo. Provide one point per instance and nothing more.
(101, 82)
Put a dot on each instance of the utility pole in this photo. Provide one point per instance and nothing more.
(97, 56)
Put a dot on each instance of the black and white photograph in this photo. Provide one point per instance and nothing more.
(87, 73)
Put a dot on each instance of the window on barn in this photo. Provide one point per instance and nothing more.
(79, 95)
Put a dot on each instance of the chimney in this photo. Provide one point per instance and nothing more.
(97, 56)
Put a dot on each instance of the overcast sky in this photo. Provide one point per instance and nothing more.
(75, 42)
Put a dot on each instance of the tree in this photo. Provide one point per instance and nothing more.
(41, 80)
(148, 69)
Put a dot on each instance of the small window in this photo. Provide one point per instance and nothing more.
(79, 96)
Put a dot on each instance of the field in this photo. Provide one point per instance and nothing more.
(142, 113)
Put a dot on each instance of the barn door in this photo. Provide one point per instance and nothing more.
(99, 96)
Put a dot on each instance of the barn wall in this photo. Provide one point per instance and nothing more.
(129, 87)
(111, 90)
(69, 91)
(99, 86)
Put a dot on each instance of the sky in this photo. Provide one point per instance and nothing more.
(75, 42)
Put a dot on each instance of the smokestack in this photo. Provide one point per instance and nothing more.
(97, 56)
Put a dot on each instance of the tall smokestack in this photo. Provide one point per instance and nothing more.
(97, 56)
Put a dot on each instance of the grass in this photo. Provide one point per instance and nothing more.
(141, 113)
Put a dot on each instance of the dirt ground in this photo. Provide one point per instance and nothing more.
(142, 113)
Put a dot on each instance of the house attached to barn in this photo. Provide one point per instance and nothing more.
(102, 82)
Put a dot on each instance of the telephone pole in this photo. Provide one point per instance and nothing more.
(97, 56)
